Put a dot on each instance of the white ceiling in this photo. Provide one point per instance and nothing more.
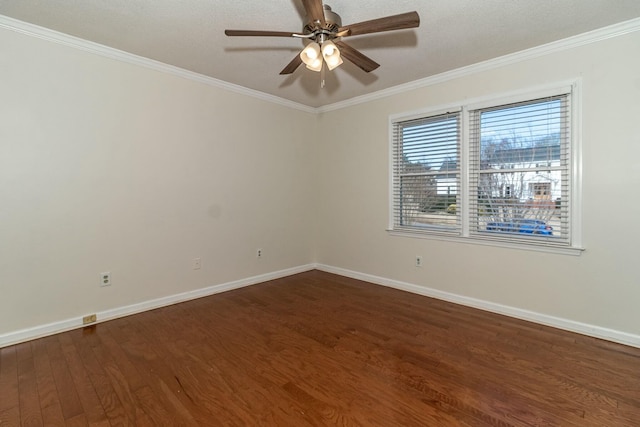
(190, 34)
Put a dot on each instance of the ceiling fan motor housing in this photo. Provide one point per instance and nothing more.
(332, 22)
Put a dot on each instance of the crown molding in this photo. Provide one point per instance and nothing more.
(590, 37)
(119, 55)
(594, 36)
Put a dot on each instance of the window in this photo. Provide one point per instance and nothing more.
(428, 173)
(492, 172)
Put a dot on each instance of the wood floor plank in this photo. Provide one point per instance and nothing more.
(157, 377)
(47, 391)
(91, 405)
(77, 421)
(317, 349)
(30, 412)
(52, 416)
(48, 397)
(10, 417)
(111, 406)
(9, 397)
(66, 389)
(192, 376)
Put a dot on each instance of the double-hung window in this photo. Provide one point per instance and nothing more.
(501, 171)
(427, 173)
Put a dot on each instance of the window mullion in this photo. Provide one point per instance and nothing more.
(464, 172)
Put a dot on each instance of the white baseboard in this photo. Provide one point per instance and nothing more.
(17, 337)
(40, 331)
(544, 319)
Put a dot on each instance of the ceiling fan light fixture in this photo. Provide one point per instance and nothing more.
(334, 62)
(315, 65)
(331, 54)
(328, 48)
(311, 53)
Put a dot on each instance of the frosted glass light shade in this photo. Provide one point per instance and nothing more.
(331, 55)
(310, 53)
(315, 65)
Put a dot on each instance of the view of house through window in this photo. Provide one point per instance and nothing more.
(518, 183)
(519, 164)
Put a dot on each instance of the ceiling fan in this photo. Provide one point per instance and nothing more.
(324, 31)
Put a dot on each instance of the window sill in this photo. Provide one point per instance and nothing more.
(566, 250)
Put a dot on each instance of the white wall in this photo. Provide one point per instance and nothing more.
(600, 288)
(109, 166)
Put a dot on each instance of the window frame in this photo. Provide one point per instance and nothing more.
(574, 177)
(444, 115)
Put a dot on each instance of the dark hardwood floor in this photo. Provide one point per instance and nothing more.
(317, 349)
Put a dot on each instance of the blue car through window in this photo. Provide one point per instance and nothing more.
(524, 226)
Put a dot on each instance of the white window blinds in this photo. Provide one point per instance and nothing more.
(519, 171)
(426, 171)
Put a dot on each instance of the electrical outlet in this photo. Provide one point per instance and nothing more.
(92, 318)
(259, 253)
(105, 278)
(418, 261)
(196, 264)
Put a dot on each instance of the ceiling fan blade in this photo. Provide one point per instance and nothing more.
(235, 33)
(314, 10)
(364, 62)
(389, 23)
(292, 66)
